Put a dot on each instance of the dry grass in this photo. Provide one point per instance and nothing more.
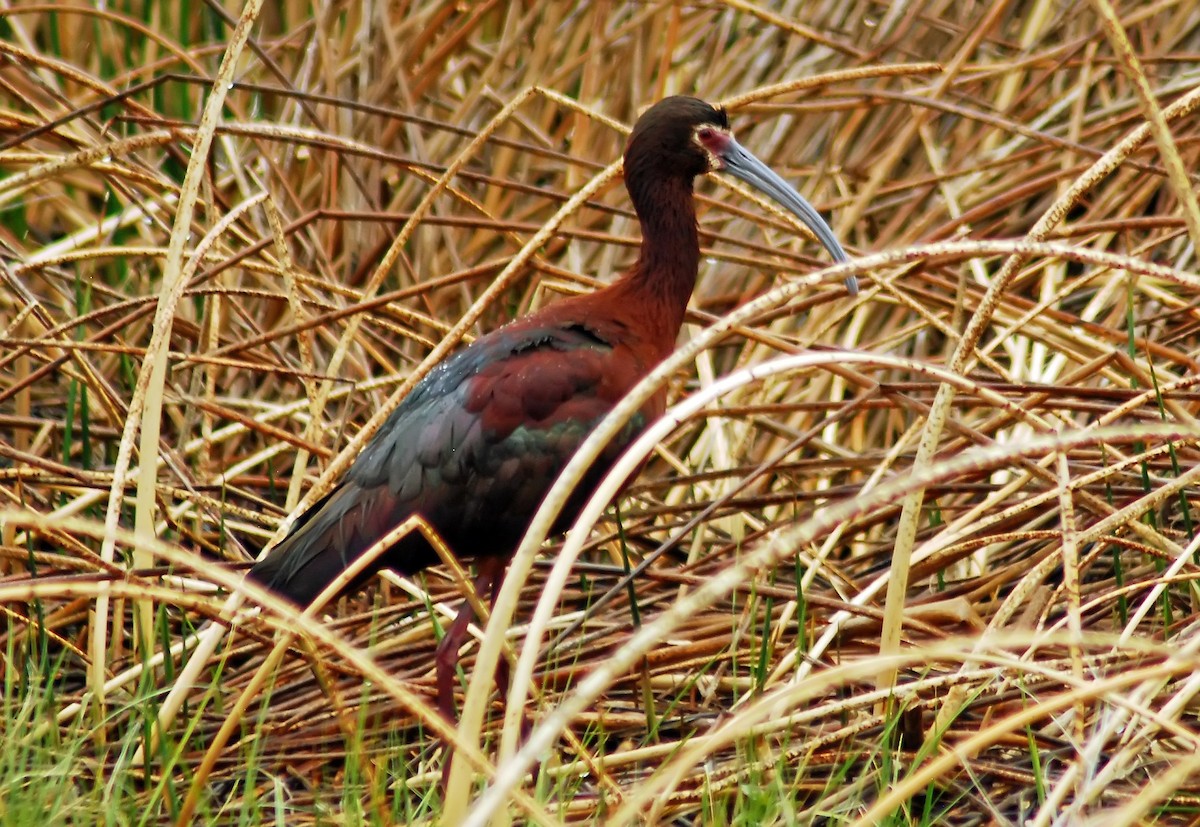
(927, 556)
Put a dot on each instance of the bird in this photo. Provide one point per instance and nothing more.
(478, 442)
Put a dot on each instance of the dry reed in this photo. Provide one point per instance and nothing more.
(924, 555)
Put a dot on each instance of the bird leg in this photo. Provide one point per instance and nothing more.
(487, 582)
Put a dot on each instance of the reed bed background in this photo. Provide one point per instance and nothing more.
(923, 556)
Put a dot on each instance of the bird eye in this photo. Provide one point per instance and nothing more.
(705, 133)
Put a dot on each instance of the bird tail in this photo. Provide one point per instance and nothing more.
(325, 540)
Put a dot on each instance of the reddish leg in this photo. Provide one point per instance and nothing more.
(487, 586)
(446, 661)
(487, 583)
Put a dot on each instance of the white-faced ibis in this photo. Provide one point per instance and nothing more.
(479, 441)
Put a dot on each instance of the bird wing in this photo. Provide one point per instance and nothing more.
(472, 449)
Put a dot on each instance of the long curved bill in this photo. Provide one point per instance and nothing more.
(741, 163)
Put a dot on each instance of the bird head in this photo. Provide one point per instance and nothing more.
(684, 137)
(670, 133)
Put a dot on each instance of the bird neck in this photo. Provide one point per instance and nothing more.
(665, 272)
